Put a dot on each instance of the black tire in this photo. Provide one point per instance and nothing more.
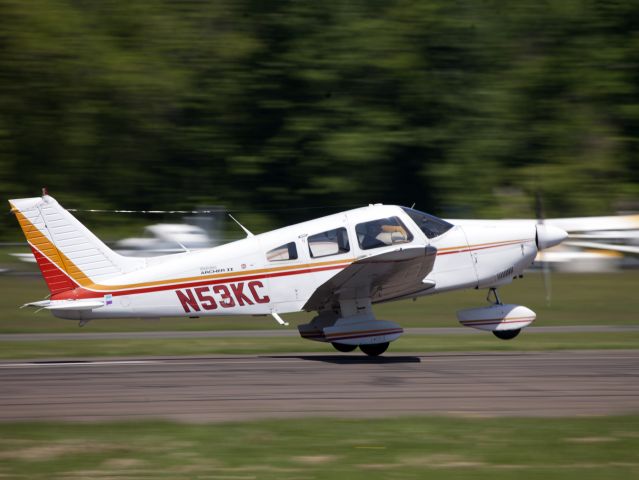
(374, 349)
(506, 334)
(342, 347)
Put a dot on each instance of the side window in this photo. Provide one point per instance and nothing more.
(283, 252)
(327, 243)
(382, 233)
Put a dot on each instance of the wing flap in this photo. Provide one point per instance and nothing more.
(378, 277)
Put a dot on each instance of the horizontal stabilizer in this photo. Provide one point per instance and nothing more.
(67, 305)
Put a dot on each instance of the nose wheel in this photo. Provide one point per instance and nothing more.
(506, 334)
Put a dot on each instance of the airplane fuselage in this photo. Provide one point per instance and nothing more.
(242, 278)
(338, 266)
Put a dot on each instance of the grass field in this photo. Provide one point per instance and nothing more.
(282, 345)
(404, 448)
(578, 299)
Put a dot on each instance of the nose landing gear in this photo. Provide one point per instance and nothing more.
(505, 321)
(495, 300)
(501, 334)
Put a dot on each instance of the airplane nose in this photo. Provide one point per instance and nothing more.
(549, 236)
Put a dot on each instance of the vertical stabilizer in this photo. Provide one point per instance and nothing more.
(68, 254)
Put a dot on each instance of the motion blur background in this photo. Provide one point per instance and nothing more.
(289, 110)
(285, 111)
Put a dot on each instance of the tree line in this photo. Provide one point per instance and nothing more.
(465, 108)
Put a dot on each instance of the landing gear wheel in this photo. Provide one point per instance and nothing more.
(342, 347)
(506, 334)
(374, 349)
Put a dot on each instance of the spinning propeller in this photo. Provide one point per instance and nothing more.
(546, 236)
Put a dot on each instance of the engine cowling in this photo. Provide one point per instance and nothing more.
(498, 317)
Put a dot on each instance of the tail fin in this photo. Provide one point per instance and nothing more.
(68, 254)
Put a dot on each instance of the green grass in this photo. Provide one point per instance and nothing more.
(578, 299)
(403, 448)
(275, 345)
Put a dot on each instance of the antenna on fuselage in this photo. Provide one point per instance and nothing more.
(183, 247)
(248, 233)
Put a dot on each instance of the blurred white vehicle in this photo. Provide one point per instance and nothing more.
(158, 239)
(163, 238)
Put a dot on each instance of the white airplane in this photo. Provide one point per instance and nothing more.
(338, 265)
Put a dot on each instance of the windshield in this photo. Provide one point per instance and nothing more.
(429, 224)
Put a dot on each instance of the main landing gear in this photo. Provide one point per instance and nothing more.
(374, 349)
(343, 347)
(371, 349)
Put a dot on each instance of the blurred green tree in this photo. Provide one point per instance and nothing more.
(465, 108)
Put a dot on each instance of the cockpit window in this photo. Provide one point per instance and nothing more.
(382, 233)
(429, 224)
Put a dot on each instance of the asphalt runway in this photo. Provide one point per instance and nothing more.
(222, 388)
(289, 332)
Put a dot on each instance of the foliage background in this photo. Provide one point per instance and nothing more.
(465, 108)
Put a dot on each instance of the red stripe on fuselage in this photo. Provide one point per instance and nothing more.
(475, 248)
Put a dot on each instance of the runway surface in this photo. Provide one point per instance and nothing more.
(219, 388)
(289, 332)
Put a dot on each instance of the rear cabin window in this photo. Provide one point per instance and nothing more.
(283, 252)
(382, 233)
(331, 242)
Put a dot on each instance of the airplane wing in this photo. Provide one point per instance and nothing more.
(596, 224)
(380, 277)
(605, 246)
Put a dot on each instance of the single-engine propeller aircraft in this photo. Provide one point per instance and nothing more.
(338, 265)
